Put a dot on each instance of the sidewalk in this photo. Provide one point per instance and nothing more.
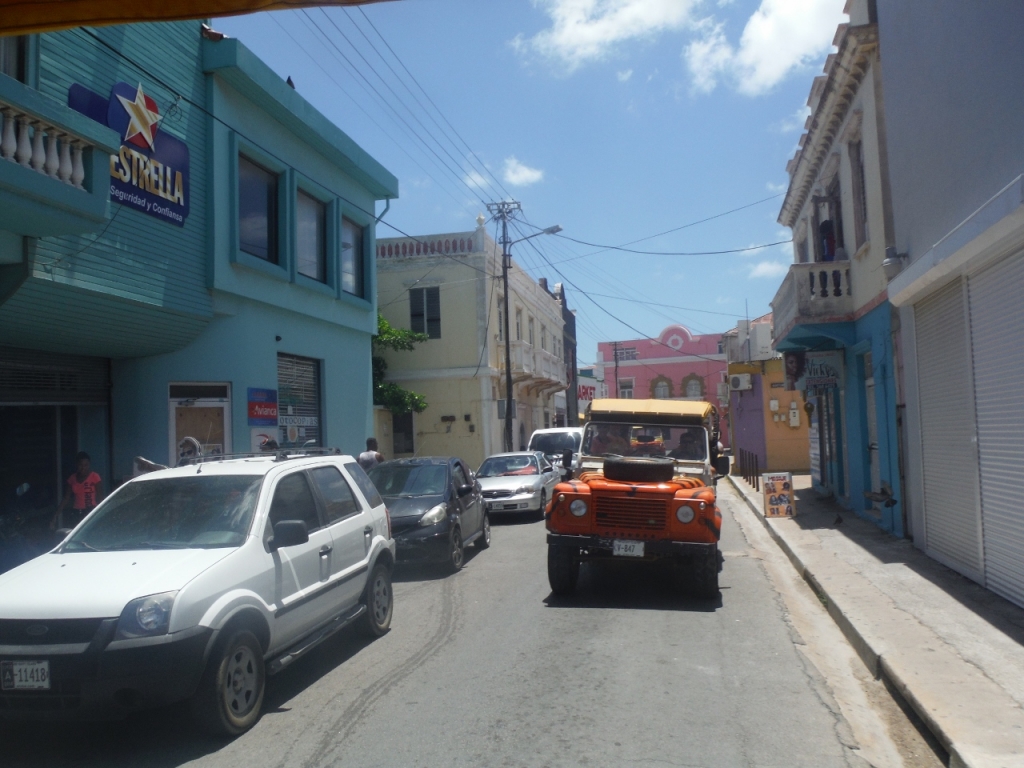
(954, 650)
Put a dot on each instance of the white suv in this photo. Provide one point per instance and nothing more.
(196, 582)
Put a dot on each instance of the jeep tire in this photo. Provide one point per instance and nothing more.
(563, 569)
(703, 575)
(639, 469)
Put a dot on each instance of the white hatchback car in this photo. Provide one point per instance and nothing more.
(196, 583)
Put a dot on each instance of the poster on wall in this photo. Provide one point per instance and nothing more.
(814, 437)
(778, 494)
(813, 371)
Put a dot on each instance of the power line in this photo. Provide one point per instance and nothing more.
(668, 253)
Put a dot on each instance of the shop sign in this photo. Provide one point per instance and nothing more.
(299, 421)
(151, 171)
(813, 371)
(778, 494)
(262, 407)
(585, 393)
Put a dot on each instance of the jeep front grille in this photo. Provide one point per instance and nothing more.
(630, 514)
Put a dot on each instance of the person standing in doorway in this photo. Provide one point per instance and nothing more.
(84, 491)
(370, 458)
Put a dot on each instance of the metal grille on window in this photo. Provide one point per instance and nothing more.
(299, 401)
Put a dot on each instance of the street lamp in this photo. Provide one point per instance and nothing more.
(506, 260)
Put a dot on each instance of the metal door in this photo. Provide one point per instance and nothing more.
(871, 415)
(997, 338)
(952, 518)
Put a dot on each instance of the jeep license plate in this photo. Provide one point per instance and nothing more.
(624, 548)
(25, 675)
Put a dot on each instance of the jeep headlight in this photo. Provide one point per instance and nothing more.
(435, 515)
(685, 514)
(146, 616)
(578, 508)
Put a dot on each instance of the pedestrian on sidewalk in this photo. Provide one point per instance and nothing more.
(84, 491)
(371, 457)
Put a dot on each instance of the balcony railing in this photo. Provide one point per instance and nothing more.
(812, 293)
(534, 366)
(54, 165)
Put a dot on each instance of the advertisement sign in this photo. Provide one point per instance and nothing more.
(778, 494)
(585, 394)
(151, 172)
(813, 371)
(262, 407)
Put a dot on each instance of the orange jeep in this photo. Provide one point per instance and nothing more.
(645, 490)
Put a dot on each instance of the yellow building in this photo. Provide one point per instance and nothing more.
(449, 287)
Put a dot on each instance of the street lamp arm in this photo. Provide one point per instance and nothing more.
(549, 231)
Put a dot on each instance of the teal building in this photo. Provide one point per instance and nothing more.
(185, 251)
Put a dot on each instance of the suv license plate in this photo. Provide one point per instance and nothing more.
(624, 548)
(25, 675)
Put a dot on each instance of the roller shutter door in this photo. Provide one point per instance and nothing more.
(298, 400)
(952, 516)
(997, 337)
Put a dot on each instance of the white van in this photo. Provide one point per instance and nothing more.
(553, 442)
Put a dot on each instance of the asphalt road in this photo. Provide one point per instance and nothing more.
(486, 668)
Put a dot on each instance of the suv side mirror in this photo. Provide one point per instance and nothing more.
(462, 490)
(722, 465)
(288, 533)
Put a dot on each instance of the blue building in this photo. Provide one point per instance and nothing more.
(186, 250)
(832, 317)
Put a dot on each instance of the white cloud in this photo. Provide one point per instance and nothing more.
(776, 188)
(781, 35)
(794, 122)
(588, 30)
(519, 175)
(769, 269)
(624, 75)
(475, 179)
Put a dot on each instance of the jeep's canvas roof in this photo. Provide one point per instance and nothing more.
(691, 411)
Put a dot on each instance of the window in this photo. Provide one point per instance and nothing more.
(519, 325)
(695, 388)
(625, 353)
(401, 431)
(661, 390)
(298, 401)
(626, 389)
(547, 419)
(339, 502)
(544, 337)
(801, 251)
(425, 311)
(13, 57)
(293, 500)
(257, 210)
(460, 476)
(310, 242)
(352, 259)
(860, 203)
(529, 325)
(365, 484)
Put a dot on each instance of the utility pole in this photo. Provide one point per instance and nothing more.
(615, 347)
(502, 211)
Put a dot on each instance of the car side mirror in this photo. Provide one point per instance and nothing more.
(462, 490)
(288, 533)
(722, 465)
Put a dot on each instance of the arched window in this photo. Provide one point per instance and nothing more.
(694, 388)
(661, 390)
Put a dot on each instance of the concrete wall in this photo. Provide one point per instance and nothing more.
(787, 446)
(954, 116)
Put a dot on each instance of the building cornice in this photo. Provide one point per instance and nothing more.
(831, 96)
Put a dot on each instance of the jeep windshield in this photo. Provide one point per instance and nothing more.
(201, 512)
(683, 443)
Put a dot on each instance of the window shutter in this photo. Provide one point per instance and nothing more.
(433, 296)
(416, 320)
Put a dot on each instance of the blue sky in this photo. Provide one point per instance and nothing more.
(617, 119)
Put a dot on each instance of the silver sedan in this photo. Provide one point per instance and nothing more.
(517, 482)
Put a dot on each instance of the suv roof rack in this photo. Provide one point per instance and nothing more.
(281, 454)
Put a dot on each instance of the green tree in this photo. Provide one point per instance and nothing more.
(387, 393)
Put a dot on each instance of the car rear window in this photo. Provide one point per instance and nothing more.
(365, 484)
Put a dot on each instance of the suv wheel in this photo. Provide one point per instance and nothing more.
(230, 694)
(485, 533)
(379, 603)
(704, 575)
(563, 569)
(456, 550)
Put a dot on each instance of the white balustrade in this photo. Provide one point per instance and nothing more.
(46, 149)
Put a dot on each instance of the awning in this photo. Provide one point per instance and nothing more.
(22, 17)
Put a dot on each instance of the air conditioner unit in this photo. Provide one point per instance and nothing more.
(739, 382)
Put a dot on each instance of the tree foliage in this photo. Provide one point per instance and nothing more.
(387, 393)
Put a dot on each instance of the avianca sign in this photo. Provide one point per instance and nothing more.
(151, 171)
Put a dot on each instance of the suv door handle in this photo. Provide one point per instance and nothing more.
(326, 550)
(368, 530)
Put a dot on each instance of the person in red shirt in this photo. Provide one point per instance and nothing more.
(84, 492)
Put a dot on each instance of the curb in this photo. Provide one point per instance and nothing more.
(872, 658)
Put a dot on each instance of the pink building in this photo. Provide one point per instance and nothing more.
(678, 365)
